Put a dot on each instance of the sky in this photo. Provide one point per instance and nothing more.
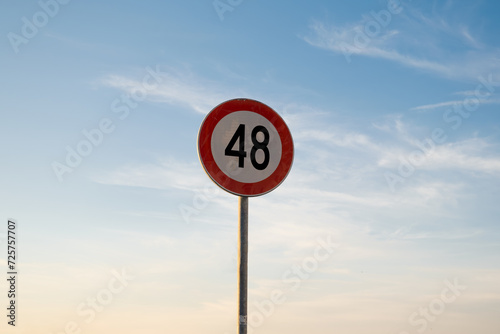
(386, 223)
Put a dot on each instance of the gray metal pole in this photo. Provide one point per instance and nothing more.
(243, 266)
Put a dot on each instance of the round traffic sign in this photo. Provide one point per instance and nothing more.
(245, 147)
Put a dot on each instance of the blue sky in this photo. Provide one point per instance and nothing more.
(393, 107)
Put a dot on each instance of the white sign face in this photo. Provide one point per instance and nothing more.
(246, 146)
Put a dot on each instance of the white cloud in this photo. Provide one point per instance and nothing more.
(343, 40)
(453, 103)
(165, 174)
(437, 105)
(466, 155)
(336, 138)
(419, 36)
(178, 87)
(469, 39)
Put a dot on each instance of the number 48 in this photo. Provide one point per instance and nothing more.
(239, 136)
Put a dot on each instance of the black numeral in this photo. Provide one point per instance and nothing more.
(240, 153)
(260, 146)
(239, 136)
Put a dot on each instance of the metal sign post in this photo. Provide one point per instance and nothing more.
(243, 266)
(246, 149)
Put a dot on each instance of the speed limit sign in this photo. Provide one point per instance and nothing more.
(245, 147)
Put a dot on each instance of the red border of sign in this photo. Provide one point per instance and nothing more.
(217, 175)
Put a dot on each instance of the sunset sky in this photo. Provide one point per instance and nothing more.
(388, 222)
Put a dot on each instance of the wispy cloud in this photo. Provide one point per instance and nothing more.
(166, 174)
(343, 40)
(412, 40)
(444, 104)
(178, 87)
(469, 155)
(444, 235)
(437, 105)
(469, 39)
